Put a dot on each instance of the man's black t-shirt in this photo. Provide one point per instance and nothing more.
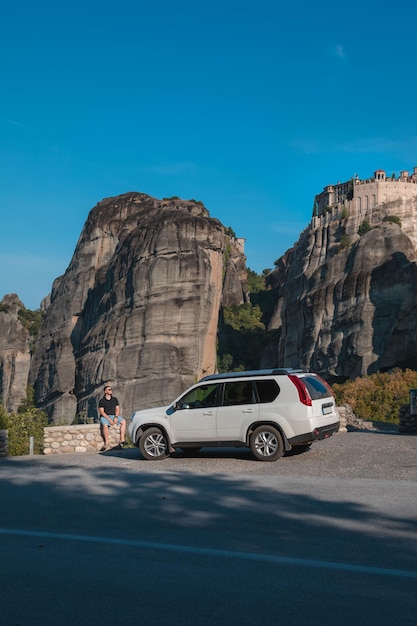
(109, 406)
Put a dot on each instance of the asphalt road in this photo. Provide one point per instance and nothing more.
(324, 537)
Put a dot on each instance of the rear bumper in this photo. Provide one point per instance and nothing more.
(322, 432)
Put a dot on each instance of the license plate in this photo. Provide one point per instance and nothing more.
(327, 408)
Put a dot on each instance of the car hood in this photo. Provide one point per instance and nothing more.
(160, 411)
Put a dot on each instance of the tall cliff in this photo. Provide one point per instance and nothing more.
(137, 306)
(14, 353)
(347, 304)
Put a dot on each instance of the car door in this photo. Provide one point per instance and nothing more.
(238, 409)
(194, 417)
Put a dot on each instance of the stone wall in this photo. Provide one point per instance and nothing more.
(79, 438)
(343, 410)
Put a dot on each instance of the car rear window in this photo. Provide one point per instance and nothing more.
(267, 390)
(317, 388)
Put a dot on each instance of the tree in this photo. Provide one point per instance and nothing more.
(256, 281)
(229, 231)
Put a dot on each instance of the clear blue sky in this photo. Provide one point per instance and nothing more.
(250, 107)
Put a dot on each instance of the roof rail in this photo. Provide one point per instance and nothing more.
(281, 371)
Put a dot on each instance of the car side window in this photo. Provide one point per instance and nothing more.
(267, 390)
(203, 396)
(239, 392)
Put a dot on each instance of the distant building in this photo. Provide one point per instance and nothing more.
(361, 195)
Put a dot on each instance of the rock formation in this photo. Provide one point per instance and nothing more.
(138, 306)
(346, 304)
(14, 353)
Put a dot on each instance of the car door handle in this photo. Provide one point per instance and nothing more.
(248, 411)
(208, 413)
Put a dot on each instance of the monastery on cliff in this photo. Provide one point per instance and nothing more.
(362, 195)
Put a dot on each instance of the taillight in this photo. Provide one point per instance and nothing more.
(303, 394)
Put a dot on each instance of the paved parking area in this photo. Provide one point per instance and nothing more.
(372, 455)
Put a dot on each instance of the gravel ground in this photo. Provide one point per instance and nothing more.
(358, 454)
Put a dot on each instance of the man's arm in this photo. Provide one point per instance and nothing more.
(104, 414)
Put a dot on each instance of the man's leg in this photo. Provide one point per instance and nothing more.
(105, 434)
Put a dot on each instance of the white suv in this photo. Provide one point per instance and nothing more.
(269, 411)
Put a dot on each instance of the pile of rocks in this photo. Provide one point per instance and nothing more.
(354, 423)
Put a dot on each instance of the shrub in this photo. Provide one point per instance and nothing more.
(27, 422)
(392, 218)
(24, 425)
(230, 232)
(364, 228)
(344, 242)
(377, 397)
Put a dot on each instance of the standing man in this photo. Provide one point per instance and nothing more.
(110, 416)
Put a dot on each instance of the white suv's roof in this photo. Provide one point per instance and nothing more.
(282, 371)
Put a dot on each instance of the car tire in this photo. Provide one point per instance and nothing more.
(153, 445)
(266, 443)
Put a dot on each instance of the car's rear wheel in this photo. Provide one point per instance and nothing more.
(153, 445)
(266, 443)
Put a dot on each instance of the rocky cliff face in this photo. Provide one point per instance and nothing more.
(14, 353)
(347, 304)
(138, 306)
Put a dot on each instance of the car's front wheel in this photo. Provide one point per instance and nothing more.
(266, 443)
(153, 445)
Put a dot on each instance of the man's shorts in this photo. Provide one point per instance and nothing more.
(105, 422)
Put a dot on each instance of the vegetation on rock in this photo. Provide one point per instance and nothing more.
(242, 329)
(364, 228)
(32, 321)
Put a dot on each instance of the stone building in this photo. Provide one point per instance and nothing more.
(361, 195)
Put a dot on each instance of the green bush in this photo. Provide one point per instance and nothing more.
(364, 228)
(27, 422)
(256, 282)
(377, 397)
(4, 418)
(392, 218)
(344, 242)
